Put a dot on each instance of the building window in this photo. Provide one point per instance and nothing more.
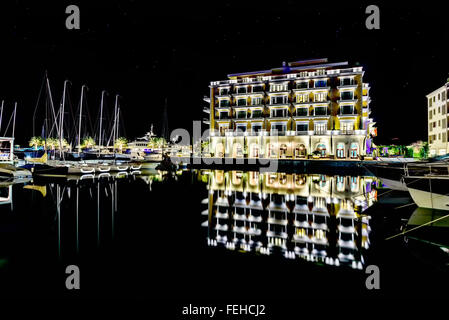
(321, 148)
(302, 85)
(279, 100)
(283, 150)
(241, 89)
(224, 91)
(354, 150)
(320, 128)
(320, 111)
(257, 114)
(224, 115)
(279, 113)
(224, 103)
(276, 87)
(302, 127)
(280, 127)
(241, 102)
(346, 110)
(302, 97)
(430, 115)
(347, 95)
(257, 89)
(347, 126)
(300, 151)
(320, 97)
(302, 112)
(256, 101)
(241, 114)
(241, 127)
(320, 83)
(256, 127)
(347, 82)
(341, 150)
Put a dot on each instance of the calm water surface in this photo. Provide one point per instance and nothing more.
(211, 235)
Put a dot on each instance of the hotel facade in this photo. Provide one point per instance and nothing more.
(437, 107)
(304, 109)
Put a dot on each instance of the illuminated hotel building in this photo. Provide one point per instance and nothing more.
(313, 217)
(437, 107)
(302, 109)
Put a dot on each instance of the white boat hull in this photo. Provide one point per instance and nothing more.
(426, 199)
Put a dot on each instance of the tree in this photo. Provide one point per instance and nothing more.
(156, 142)
(121, 143)
(424, 151)
(52, 143)
(36, 142)
(88, 143)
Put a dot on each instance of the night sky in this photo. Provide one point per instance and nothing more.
(149, 51)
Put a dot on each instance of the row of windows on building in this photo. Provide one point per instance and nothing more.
(283, 99)
(442, 137)
(442, 123)
(284, 112)
(284, 86)
(441, 97)
(441, 110)
(318, 127)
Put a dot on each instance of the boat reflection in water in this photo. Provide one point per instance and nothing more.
(310, 216)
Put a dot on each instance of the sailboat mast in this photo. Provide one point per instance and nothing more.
(1, 115)
(115, 122)
(14, 121)
(79, 125)
(61, 120)
(101, 117)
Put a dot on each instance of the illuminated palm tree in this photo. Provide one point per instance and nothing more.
(121, 143)
(36, 142)
(52, 143)
(88, 143)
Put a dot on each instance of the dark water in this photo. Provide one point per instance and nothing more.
(216, 236)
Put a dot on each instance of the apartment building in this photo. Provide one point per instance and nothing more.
(304, 109)
(437, 107)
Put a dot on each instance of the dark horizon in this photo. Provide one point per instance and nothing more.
(147, 54)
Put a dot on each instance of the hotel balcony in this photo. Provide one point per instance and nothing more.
(207, 99)
(322, 133)
(206, 121)
(206, 110)
(346, 100)
(304, 133)
(349, 132)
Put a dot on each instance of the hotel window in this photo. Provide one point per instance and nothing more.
(439, 97)
(257, 89)
(347, 95)
(430, 102)
(302, 97)
(257, 114)
(321, 72)
(256, 101)
(320, 111)
(443, 109)
(279, 113)
(347, 81)
(320, 96)
(439, 109)
(302, 85)
(345, 110)
(303, 74)
(430, 115)
(444, 123)
(279, 100)
(280, 127)
(302, 112)
(347, 126)
(241, 89)
(444, 137)
(320, 83)
(278, 87)
(241, 114)
(224, 103)
(224, 115)
(302, 127)
(320, 127)
(256, 127)
(224, 91)
(241, 127)
(241, 102)
(444, 95)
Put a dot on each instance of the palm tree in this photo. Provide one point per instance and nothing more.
(36, 142)
(156, 142)
(52, 143)
(121, 143)
(88, 143)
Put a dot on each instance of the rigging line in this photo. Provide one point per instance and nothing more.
(418, 227)
(37, 102)
(7, 127)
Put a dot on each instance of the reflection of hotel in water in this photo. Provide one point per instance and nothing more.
(315, 217)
